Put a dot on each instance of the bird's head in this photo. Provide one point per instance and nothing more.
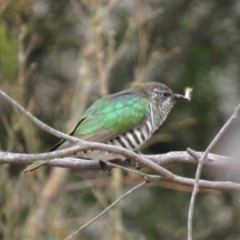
(162, 96)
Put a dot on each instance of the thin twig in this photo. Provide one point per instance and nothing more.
(200, 165)
(105, 210)
(21, 158)
(83, 165)
(170, 158)
(38, 122)
(147, 176)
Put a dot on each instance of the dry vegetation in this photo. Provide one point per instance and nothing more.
(57, 57)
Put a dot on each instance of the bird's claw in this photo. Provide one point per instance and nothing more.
(104, 166)
(137, 166)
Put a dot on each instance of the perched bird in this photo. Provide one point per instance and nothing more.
(127, 119)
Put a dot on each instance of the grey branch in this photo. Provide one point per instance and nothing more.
(105, 210)
(161, 159)
(57, 159)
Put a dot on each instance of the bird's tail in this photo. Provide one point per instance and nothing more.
(40, 163)
(34, 166)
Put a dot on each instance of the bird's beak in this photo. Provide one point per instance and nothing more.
(180, 97)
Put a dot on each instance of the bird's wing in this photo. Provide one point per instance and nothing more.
(112, 116)
(109, 117)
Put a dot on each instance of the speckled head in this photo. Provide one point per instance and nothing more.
(160, 96)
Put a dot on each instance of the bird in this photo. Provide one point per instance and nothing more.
(126, 119)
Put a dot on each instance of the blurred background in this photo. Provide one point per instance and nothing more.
(57, 57)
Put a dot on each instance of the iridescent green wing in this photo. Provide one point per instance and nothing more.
(111, 116)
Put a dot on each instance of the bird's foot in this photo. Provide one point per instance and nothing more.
(104, 166)
(137, 165)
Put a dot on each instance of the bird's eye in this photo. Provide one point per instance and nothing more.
(166, 94)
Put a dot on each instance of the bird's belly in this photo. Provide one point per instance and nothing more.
(100, 155)
(131, 140)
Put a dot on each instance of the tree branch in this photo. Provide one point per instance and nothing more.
(57, 159)
(105, 210)
(200, 165)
